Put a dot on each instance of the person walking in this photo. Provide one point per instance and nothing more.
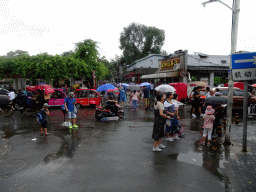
(146, 91)
(69, 104)
(170, 110)
(159, 121)
(196, 105)
(45, 113)
(135, 96)
(208, 124)
(122, 96)
(172, 124)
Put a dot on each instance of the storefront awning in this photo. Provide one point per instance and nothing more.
(160, 75)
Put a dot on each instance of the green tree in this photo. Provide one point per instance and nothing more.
(138, 41)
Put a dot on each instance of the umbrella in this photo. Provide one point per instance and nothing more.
(30, 88)
(110, 90)
(47, 88)
(76, 86)
(254, 85)
(200, 84)
(145, 84)
(134, 87)
(216, 100)
(105, 87)
(131, 83)
(125, 84)
(165, 88)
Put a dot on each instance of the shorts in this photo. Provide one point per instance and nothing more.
(146, 101)
(71, 115)
(44, 125)
(208, 132)
(196, 105)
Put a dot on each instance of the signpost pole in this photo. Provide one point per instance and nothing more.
(245, 111)
(235, 15)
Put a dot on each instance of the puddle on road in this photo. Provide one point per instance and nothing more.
(211, 159)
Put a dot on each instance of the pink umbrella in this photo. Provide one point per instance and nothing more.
(47, 88)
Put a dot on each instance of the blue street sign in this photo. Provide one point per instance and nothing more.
(243, 61)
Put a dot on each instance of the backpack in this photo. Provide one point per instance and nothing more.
(39, 118)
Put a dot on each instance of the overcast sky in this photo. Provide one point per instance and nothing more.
(54, 26)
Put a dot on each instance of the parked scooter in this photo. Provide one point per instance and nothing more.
(106, 112)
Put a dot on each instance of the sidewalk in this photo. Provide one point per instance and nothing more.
(244, 163)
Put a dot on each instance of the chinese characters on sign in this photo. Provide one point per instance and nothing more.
(244, 74)
(169, 64)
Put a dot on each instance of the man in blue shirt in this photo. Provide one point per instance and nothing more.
(146, 91)
(69, 104)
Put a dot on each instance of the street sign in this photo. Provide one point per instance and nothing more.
(244, 60)
(244, 74)
(244, 66)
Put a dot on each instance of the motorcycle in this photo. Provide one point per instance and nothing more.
(104, 112)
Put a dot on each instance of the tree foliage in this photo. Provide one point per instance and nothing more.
(138, 41)
(76, 64)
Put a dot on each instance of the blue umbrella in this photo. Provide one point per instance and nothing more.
(144, 84)
(125, 84)
(105, 87)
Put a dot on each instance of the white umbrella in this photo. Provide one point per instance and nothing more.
(165, 88)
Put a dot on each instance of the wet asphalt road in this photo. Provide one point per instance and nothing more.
(106, 156)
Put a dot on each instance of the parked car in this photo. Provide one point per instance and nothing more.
(4, 91)
(57, 98)
(238, 96)
(87, 97)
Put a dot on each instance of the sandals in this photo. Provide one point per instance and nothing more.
(41, 134)
(47, 134)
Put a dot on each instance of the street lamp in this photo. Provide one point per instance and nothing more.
(235, 15)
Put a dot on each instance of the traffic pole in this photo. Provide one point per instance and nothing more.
(245, 111)
(234, 32)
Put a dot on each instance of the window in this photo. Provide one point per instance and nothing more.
(92, 94)
(238, 93)
(224, 92)
(83, 94)
(57, 94)
(77, 94)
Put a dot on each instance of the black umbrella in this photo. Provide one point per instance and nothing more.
(216, 100)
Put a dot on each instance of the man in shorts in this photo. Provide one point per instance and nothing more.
(45, 114)
(146, 91)
(196, 103)
(69, 104)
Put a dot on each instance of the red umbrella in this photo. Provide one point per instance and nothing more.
(110, 90)
(47, 88)
(30, 88)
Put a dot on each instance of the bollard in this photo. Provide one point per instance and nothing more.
(224, 123)
(237, 119)
(219, 130)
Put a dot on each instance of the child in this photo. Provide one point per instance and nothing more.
(45, 114)
(208, 124)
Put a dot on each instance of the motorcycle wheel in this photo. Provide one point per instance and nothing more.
(8, 111)
(98, 115)
(121, 115)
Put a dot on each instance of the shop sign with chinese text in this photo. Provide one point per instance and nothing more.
(169, 64)
(244, 66)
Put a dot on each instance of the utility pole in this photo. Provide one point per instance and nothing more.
(234, 31)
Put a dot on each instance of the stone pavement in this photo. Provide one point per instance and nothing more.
(244, 163)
